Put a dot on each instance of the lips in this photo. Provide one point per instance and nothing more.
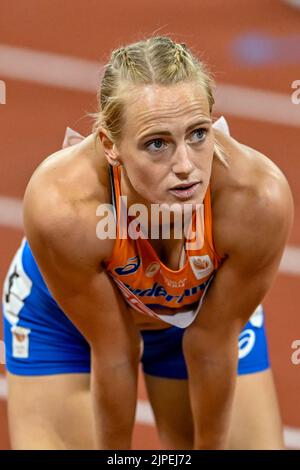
(185, 191)
(185, 185)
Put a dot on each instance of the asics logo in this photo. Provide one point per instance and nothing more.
(246, 343)
(129, 268)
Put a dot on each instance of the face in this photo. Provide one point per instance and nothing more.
(166, 148)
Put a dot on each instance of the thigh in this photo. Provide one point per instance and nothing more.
(50, 412)
(170, 402)
(167, 386)
(256, 422)
(39, 338)
(48, 364)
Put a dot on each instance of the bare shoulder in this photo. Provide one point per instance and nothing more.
(60, 205)
(252, 204)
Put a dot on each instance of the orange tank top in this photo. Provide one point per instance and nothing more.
(150, 287)
(147, 284)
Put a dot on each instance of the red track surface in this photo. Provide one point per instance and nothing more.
(33, 121)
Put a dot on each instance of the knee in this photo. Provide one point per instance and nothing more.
(172, 439)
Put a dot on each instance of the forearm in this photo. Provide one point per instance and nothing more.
(114, 395)
(212, 377)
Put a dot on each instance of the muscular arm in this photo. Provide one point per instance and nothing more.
(252, 239)
(63, 240)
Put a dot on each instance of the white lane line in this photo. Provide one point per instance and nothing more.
(11, 212)
(290, 263)
(11, 216)
(84, 75)
(260, 105)
(49, 69)
(144, 415)
(3, 388)
(291, 437)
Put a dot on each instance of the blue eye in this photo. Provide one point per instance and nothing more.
(155, 145)
(198, 135)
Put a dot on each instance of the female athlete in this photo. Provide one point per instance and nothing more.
(86, 299)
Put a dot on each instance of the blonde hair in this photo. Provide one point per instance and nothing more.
(157, 60)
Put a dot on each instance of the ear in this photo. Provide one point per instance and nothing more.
(111, 153)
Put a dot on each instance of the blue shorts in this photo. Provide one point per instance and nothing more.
(41, 340)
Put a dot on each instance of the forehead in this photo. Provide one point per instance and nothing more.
(156, 105)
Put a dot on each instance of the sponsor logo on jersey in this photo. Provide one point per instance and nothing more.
(20, 343)
(246, 342)
(157, 290)
(132, 266)
(174, 283)
(152, 269)
(202, 266)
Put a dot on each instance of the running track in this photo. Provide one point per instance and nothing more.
(50, 53)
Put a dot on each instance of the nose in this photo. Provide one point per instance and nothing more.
(182, 165)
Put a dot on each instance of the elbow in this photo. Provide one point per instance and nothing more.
(197, 343)
(115, 360)
(209, 348)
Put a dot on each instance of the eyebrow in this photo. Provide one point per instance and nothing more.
(162, 132)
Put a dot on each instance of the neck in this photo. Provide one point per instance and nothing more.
(158, 222)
